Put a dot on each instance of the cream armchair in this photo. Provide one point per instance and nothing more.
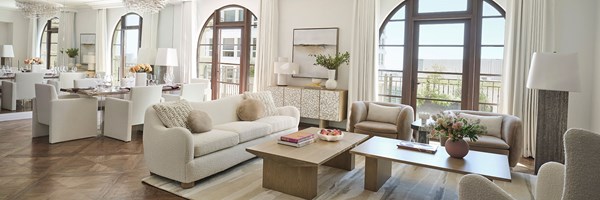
(189, 92)
(21, 89)
(121, 114)
(361, 122)
(577, 179)
(63, 118)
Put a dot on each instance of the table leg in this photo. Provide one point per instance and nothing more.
(300, 181)
(343, 161)
(377, 172)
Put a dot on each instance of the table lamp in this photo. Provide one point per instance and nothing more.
(283, 68)
(554, 75)
(6, 51)
(90, 60)
(167, 57)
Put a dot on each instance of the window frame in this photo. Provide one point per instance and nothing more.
(48, 31)
(122, 27)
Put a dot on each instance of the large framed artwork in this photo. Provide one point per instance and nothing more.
(313, 41)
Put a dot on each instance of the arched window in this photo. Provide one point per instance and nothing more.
(126, 41)
(436, 55)
(232, 31)
(49, 43)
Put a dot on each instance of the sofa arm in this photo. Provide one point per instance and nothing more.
(358, 113)
(405, 118)
(550, 182)
(290, 111)
(512, 133)
(475, 187)
(9, 95)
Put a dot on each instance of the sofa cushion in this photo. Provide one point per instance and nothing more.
(266, 98)
(214, 140)
(380, 113)
(173, 114)
(491, 142)
(246, 130)
(199, 121)
(279, 123)
(492, 124)
(376, 127)
(250, 110)
(222, 110)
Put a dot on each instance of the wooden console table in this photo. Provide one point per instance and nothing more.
(314, 103)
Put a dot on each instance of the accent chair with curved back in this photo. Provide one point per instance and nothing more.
(22, 89)
(383, 119)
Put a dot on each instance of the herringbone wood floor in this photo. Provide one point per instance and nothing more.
(94, 168)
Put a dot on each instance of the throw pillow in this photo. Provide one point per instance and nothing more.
(493, 124)
(173, 114)
(199, 121)
(381, 113)
(250, 110)
(266, 98)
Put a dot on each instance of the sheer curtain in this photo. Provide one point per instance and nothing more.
(362, 84)
(187, 50)
(32, 42)
(529, 29)
(102, 44)
(66, 36)
(268, 37)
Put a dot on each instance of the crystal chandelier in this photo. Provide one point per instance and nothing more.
(38, 8)
(145, 6)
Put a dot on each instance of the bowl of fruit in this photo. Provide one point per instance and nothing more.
(330, 135)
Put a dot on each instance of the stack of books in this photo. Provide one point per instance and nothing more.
(297, 139)
(415, 146)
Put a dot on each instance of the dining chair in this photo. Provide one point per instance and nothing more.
(21, 89)
(208, 90)
(122, 114)
(85, 83)
(63, 118)
(189, 92)
(66, 79)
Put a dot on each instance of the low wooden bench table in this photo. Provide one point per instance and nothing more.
(294, 170)
(380, 152)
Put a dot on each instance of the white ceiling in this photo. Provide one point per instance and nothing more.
(10, 4)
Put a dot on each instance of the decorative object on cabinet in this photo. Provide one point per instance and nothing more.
(87, 50)
(554, 75)
(283, 68)
(313, 41)
(332, 63)
(325, 105)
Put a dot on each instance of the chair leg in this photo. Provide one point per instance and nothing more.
(187, 185)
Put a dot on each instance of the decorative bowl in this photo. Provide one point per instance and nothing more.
(330, 135)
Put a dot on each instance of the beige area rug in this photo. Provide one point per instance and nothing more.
(244, 181)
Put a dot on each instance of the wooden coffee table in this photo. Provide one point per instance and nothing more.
(380, 152)
(294, 170)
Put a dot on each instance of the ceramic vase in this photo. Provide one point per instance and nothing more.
(140, 79)
(331, 83)
(457, 149)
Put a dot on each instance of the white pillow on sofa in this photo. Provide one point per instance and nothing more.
(493, 124)
(266, 98)
(381, 113)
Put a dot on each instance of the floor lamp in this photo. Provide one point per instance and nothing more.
(554, 75)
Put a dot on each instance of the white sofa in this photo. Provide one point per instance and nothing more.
(180, 155)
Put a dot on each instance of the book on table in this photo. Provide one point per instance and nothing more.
(297, 137)
(299, 144)
(415, 146)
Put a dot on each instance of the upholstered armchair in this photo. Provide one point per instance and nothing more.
(576, 179)
(67, 79)
(509, 143)
(122, 114)
(381, 119)
(63, 118)
(85, 83)
(189, 92)
(22, 89)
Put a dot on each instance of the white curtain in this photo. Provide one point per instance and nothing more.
(268, 37)
(362, 84)
(102, 42)
(66, 36)
(33, 41)
(187, 47)
(529, 29)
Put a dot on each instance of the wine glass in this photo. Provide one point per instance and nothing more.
(98, 80)
(107, 80)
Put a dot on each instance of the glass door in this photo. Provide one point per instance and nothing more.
(228, 70)
(440, 65)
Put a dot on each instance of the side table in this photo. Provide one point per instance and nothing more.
(422, 130)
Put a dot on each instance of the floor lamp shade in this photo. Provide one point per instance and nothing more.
(554, 75)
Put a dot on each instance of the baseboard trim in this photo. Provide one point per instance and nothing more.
(15, 116)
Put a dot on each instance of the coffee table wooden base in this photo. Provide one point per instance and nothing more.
(297, 178)
(377, 172)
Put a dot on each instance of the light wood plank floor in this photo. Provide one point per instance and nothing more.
(94, 168)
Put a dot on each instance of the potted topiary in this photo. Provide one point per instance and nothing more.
(332, 63)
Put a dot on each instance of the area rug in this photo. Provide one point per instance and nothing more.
(244, 181)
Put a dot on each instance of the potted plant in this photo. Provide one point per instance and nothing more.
(456, 128)
(72, 53)
(332, 63)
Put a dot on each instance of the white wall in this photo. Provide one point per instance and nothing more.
(595, 118)
(6, 33)
(19, 33)
(85, 22)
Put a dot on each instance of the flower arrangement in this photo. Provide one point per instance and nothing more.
(456, 128)
(331, 62)
(33, 61)
(141, 68)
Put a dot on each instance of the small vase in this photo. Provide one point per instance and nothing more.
(331, 83)
(457, 149)
(140, 79)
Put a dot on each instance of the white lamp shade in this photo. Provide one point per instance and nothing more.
(146, 56)
(287, 68)
(89, 59)
(7, 51)
(554, 71)
(166, 57)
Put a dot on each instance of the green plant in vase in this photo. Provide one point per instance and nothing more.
(332, 63)
(72, 53)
